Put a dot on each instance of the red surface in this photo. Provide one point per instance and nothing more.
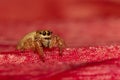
(91, 28)
(94, 63)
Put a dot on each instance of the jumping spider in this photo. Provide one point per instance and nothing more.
(38, 40)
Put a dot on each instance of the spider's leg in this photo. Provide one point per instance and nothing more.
(61, 46)
(39, 49)
(31, 44)
(53, 42)
(26, 45)
(58, 42)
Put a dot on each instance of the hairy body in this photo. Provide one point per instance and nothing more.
(37, 40)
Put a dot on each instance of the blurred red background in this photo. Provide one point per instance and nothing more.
(29, 10)
(79, 22)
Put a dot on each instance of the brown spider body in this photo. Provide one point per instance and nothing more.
(38, 40)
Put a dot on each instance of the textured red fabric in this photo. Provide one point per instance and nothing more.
(94, 63)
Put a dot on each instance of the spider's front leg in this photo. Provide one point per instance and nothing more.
(39, 49)
(56, 41)
(61, 45)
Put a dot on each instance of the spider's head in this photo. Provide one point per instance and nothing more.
(45, 34)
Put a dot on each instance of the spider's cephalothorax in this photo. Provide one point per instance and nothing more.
(45, 37)
(38, 40)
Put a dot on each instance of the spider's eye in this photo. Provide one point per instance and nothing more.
(44, 33)
(49, 33)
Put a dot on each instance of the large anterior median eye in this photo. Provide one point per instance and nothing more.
(44, 33)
